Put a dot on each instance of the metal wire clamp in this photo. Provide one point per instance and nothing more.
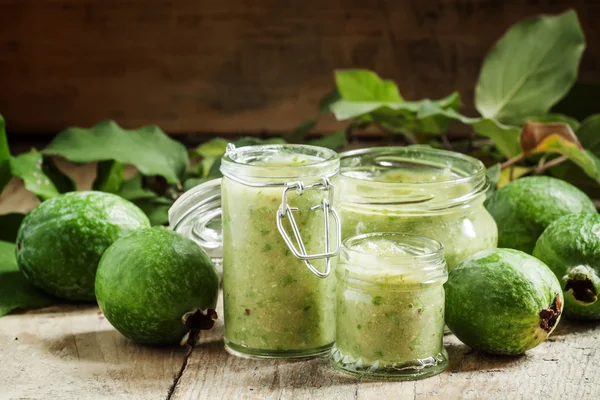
(285, 211)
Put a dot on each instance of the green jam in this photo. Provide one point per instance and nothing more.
(418, 191)
(274, 305)
(390, 308)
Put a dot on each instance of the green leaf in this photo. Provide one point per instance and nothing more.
(512, 173)
(28, 167)
(582, 101)
(109, 176)
(195, 171)
(333, 141)
(493, 176)
(589, 137)
(5, 173)
(589, 134)
(572, 122)
(328, 100)
(156, 209)
(530, 68)
(430, 120)
(148, 148)
(213, 148)
(133, 189)
(212, 151)
(10, 226)
(344, 109)
(364, 85)
(63, 182)
(215, 170)
(193, 182)
(154, 206)
(505, 137)
(15, 291)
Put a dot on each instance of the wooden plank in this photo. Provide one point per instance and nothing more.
(72, 352)
(240, 66)
(566, 365)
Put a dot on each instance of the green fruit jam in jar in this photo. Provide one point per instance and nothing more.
(416, 190)
(390, 307)
(275, 305)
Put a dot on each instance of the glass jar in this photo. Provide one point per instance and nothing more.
(281, 237)
(417, 190)
(197, 215)
(390, 307)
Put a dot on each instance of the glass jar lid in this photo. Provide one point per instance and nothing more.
(197, 215)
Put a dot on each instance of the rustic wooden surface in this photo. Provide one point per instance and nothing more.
(71, 352)
(241, 65)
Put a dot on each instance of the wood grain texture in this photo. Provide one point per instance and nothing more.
(565, 366)
(72, 352)
(240, 65)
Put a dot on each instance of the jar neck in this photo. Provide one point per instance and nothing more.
(411, 178)
(392, 259)
(279, 164)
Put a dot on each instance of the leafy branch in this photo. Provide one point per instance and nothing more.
(525, 74)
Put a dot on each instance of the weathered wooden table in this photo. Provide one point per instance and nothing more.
(72, 352)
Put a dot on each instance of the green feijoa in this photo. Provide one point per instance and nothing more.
(570, 246)
(60, 242)
(157, 287)
(502, 301)
(525, 207)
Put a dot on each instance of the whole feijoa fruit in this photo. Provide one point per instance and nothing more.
(502, 301)
(155, 286)
(570, 246)
(525, 207)
(60, 242)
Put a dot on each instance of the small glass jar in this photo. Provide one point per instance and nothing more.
(417, 190)
(390, 307)
(281, 237)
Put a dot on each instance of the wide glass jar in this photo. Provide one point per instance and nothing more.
(281, 238)
(418, 190)
(390, 307)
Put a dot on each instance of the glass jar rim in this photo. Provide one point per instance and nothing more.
(239, 161)
(435, 195)
(436, 252)
(397, 271)
(399, 150)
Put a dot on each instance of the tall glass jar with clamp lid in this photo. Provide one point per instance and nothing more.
(281, 236)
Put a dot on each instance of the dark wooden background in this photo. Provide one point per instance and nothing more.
(240, 66)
